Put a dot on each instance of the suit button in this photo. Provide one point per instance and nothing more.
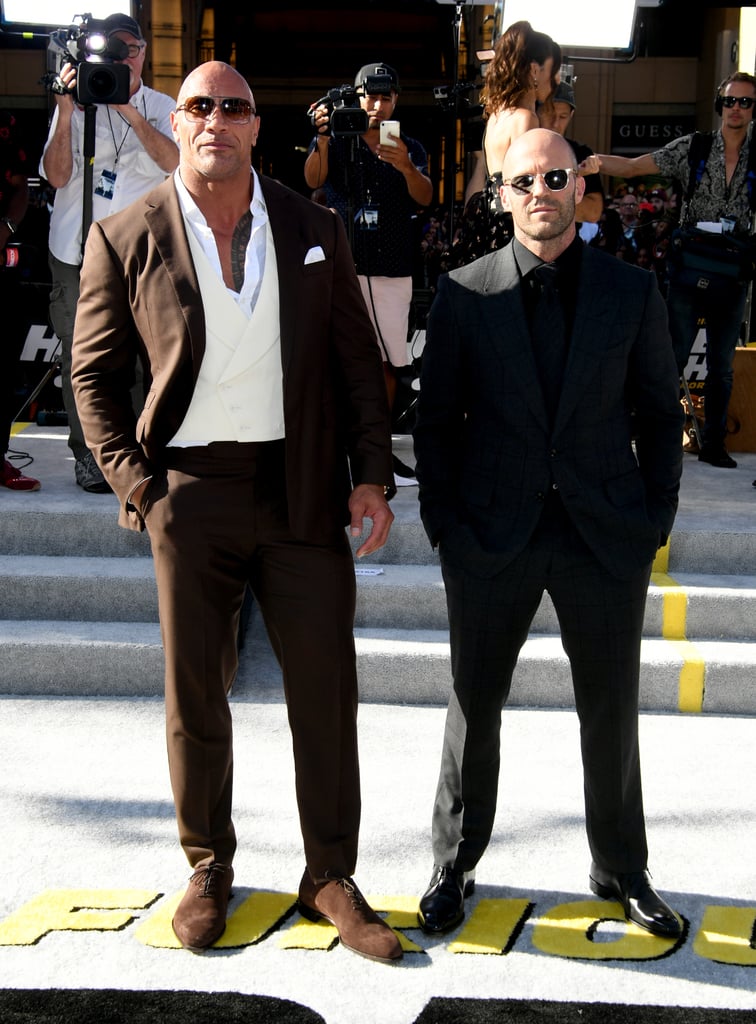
(541, 496)
(553, 453)
(555, 487)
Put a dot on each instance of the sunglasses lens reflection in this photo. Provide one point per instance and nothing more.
(199, 108)
(556, 181)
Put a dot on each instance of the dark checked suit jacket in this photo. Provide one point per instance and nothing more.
(487, 454)
(140, 297)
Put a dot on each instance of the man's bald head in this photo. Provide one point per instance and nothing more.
(544, 217)
(206, 79)
(215, 147)
(537, 144)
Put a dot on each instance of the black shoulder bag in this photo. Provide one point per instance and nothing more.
(704, 260)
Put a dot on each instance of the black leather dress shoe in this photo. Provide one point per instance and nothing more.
(641, 902)
(442, 905)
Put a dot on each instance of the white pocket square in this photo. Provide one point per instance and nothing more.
(314, 255)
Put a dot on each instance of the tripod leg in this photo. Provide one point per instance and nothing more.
(54, 368)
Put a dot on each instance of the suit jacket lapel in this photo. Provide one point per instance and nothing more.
(283, 226)
(509, 331)
(166, 224)
(595, 312)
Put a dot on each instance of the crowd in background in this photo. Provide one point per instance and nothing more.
(636, 225)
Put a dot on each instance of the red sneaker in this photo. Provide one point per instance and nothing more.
(15, 480)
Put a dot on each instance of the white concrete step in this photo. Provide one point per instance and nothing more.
(696, 605)
(73, 658)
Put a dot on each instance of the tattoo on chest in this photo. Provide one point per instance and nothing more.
(239, 243)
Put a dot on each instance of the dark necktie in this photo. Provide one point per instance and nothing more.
(549, 335)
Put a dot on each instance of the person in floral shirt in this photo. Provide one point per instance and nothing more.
(721, 197)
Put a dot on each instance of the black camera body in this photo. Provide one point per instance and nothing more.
(377, 85)
(85, 45)
(346, 115)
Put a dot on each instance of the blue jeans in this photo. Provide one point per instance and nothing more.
(723, 311)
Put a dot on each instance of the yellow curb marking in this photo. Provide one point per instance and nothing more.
(692, 679)
(661, 562)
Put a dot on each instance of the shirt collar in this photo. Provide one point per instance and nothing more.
(527, 261)
(196, 218)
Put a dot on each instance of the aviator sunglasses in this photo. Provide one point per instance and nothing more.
(744, 102)
(199, 108)
(555, 180)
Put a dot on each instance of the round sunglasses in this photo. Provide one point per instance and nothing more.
(200, 108)
(744, 102)
(555, 180)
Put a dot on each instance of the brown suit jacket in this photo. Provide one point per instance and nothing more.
(140, 298)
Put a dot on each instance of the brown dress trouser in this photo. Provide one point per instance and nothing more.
(217, 520)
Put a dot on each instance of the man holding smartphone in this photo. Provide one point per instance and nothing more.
(376, 178)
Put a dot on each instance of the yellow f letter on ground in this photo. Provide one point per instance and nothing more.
(80, 910)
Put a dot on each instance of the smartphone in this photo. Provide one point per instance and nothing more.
(386, 127)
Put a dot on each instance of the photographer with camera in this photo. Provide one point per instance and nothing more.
(134, 150)
(376, 179)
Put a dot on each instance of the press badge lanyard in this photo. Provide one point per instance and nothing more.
(106, 184)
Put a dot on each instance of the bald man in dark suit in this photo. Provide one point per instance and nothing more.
(548, 448)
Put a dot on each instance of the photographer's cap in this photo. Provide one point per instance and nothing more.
(122, 23)
(376, 69)
(564, 94)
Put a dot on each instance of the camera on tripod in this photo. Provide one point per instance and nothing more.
(451, 96)
(86, 46)
(343, 103)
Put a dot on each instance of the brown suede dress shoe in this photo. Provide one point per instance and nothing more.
(200, 917)
(360, 929)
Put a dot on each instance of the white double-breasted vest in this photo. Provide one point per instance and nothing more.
(238, 395)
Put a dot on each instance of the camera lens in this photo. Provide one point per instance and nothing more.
(100, 84)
